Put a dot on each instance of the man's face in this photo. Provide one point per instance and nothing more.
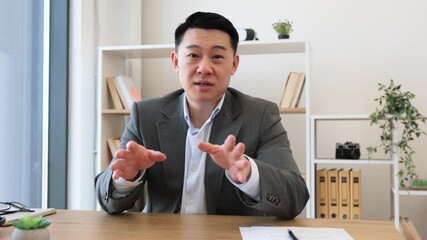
(205, 63)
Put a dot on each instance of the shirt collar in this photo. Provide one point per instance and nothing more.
(213, 114)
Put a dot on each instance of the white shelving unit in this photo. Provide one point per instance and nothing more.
(112, 62)
(393, 162)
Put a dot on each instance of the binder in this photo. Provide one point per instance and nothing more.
(333, 193)
(321, 194)
(344, 194)
(355, 195)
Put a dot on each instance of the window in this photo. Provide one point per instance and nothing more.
(21, 84)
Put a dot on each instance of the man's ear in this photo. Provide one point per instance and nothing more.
(174, 59)
(236, 61)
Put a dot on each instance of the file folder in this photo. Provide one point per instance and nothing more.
(344, 194)
(355, 195)
(333, 193)
(321, 194)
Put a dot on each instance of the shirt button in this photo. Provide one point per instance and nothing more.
(190, 201)
(193, 168)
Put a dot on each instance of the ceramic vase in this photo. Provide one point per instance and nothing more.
(33, 234)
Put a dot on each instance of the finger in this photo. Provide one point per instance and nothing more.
(238, 151)
(117, 174)
(132, 146)
(242, 164)
(119, 163)
(157, 156)
(208, 147)
(242, 177)
(229, 143)
(121, 153)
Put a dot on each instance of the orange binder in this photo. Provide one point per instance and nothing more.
(333, 193)
(344, 194)
(321, 194)
(355, 195)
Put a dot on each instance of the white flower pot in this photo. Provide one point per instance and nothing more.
(33, 234)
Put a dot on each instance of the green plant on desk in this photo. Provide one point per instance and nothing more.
(28, 222)
(31, 228)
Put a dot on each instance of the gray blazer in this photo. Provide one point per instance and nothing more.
(159, 124)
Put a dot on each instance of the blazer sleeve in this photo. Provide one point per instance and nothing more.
(103, 186)
(283, 191)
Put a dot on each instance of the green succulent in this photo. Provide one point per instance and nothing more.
(283, 27)
(28, 222)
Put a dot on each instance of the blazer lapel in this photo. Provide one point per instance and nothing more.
(224, 124)
(172, 135)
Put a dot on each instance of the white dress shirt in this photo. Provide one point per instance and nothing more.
(193, 193)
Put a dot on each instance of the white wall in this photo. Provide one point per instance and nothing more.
(355, 45)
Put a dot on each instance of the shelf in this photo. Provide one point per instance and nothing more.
(340, 117)
(413, 192)
(392, 163)
(276, 47)
(164, 50)
(353, 162)
(292, 110)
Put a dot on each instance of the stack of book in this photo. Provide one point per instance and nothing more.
(113, 144)
(123, 92)
(293, 90)
(338, 194)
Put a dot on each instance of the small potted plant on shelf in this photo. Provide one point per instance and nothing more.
(283, 28)
(31, 228)
(399, 122)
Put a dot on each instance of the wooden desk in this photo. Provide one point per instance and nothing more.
(71, 224)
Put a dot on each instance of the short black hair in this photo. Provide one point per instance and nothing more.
(207, 20)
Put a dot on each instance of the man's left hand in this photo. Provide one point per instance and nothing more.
(229, 156)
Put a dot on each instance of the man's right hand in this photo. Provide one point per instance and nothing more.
(130, 161)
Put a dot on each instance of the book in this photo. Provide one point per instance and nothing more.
(321, 194)
(10, 218)
(113, 144)
(298, 90)
(289, 91)
(127, 91)
(114, 94)
(344, 194)
(333, 193)
(355, 195)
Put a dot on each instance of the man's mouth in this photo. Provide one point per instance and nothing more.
(203, 84)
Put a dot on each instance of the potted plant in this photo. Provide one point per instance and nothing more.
(283, 28)
(31, 228)
(399, 122)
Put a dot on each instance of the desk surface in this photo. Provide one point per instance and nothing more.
(72, 224)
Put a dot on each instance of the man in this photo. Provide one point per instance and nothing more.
(206, 148)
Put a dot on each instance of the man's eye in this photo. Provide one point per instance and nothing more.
(193, 55)
(217, 57)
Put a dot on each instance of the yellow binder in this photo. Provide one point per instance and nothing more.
(333, 193)
(344, 194)
(321, 194)
(355, 195)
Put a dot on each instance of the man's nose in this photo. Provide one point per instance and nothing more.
(205, 66)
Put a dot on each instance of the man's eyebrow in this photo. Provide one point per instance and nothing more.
(192, 46)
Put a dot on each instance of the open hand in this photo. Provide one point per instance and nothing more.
(229, 156)
(134, 158)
